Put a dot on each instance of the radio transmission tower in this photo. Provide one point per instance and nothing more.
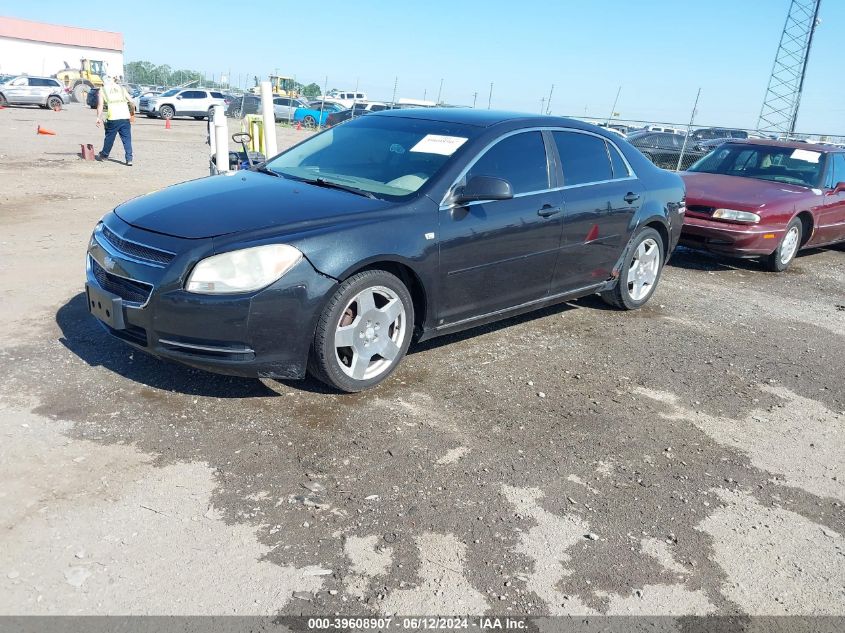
(783, 96)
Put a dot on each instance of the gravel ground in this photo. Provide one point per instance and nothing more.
(683, 459)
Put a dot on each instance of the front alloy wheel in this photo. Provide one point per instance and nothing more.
(780, 260)
(640, 271)
(364, 331)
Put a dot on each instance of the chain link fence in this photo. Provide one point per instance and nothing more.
(678, 146)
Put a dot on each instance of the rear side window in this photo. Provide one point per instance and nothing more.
(620, 169)
(217, 95)
(583, 158)
(520, 159)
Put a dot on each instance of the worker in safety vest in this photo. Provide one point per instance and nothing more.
(117, 103)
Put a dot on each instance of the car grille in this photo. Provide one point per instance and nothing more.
(135, 250)
(126, 289)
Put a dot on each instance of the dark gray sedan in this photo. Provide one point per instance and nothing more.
(334, 255)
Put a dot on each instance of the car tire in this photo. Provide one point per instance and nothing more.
(54, 103)
(788, 248)
(309, 121)
(236, 113)
(166, 112)
(373, 311)
(640, 272)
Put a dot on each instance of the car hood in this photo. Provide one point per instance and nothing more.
(244, 201)
(736, 192)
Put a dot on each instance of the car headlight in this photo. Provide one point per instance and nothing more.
(736, 216)
(244, 270)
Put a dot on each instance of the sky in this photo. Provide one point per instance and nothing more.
(658, 52)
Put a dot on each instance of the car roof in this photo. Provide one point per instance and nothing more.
(785, 144)
(482, 118)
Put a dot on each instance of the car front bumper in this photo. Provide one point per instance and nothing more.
(266, 333)
(733, 239)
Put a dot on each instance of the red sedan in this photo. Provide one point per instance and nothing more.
(767, 199)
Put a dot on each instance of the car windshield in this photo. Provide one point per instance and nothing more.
(171, 92)
(389, 157)
(779, 164)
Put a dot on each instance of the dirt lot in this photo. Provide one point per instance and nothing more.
(688, 458)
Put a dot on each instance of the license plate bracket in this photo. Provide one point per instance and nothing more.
(107, 307)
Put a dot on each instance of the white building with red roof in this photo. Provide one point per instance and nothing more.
(36, 48)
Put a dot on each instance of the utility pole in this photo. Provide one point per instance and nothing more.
(686, 138)
(549, 102)
(474, 98)
(542, 104)
(613, 109)
(440, 92)
(395, 84)
(779, 113)
(490, 97)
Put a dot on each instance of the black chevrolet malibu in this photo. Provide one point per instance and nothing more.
(332, 256)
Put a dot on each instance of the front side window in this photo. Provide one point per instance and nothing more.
(520, 159)
(583, 158)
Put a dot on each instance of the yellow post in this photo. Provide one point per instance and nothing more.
(256, 130)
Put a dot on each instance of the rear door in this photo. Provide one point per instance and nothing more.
(601, 195)
(499, 254)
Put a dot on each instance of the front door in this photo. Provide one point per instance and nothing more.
(830, 214)
(601, 195)
(500, 254)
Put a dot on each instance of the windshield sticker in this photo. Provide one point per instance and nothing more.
(807, 155)
(439, 144)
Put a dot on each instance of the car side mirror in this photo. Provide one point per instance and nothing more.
(178, 96)
(838, 188)
(483, 188)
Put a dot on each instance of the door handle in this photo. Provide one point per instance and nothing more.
(631, 197)
(547, 211)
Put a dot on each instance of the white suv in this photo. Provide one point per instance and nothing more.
(194, 102)
(47, 92)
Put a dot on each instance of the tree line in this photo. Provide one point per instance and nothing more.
(147, 73)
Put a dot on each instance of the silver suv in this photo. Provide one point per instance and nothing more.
(47, 92)
(194, 102)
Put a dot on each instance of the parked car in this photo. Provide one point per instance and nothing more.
(316, 113)
(347, 98)
(193, 102)
(370, 106)
(335, 118)
(662, 148)
(710, 133)
(148, 94)
(284, 107)
(47, 92)
(400, 224)
(767, 199)
(243, 105)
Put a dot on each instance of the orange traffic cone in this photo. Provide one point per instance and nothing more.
(45, 131)
(167, 124)
(299, 125)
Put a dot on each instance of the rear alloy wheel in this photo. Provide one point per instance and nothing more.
(640, 272)
(309, 121)
(364, 332)
(788, 248)
(166, 112)
(54, 103)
